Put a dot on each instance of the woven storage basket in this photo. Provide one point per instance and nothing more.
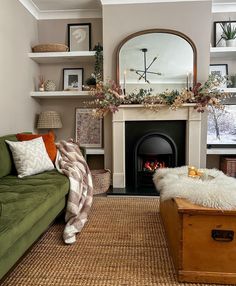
(44, 48)
(101, 181)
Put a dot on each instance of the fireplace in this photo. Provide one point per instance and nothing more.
(152, 151)
(129, 127)
(151, 145)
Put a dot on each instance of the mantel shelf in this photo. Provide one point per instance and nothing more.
(223, 52)
(62, 57)
(61, 94)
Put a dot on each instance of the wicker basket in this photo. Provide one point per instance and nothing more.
(44, 48)
(101, 181)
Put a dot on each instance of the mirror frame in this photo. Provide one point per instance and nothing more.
(150, 31)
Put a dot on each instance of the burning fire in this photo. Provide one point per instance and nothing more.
(153, 165)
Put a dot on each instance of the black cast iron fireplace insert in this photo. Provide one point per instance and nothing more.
(150, 145)
(152, 152)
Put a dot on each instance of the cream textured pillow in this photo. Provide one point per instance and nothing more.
(30, 157)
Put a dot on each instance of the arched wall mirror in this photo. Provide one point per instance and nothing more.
(158, 59)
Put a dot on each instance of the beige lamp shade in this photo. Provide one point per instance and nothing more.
(49, 120)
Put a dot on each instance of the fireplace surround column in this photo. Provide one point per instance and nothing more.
(139, 113)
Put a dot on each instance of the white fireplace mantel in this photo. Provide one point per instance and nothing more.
(140, 113)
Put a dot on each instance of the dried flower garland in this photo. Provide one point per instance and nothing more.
(109, 97)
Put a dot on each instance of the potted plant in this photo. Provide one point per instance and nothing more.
(91, 81)
(229, 34)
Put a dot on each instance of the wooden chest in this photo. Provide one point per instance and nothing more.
(201, 241)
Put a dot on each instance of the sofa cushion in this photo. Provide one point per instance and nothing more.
(48, 140)
(25, 201)
(30, 157)
(6, 161)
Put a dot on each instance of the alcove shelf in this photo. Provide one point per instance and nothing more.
(62, 57)
(223, 53)
(93, 151)
(221, 151)
(61, 94)
(230, 90)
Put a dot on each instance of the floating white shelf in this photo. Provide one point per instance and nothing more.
(228, 53)
(61, 94)
(230, 90)
(91, 151)
(221, 151)
(62, 57)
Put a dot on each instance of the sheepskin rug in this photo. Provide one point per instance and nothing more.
(218, 191)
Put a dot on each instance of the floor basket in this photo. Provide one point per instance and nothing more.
(101, 181)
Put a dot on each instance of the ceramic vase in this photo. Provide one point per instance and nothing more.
(50, 85)
(231, 43)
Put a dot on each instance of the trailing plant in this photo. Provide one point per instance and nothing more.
(97, 75)
(98, 66)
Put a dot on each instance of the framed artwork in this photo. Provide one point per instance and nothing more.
(220, 70)
(79, 37)
(218, 41)
(73, 78)
(221, 127)
(88, 130)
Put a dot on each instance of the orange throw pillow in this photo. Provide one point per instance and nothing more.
(48, 140)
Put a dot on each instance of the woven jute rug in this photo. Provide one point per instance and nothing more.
(122, 244)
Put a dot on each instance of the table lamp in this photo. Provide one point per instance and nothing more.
(49, 120)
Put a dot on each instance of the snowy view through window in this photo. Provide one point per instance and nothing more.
(222, 126)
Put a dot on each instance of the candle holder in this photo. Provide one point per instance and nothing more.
(194, 172)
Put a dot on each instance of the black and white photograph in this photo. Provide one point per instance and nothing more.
(79, 37)
(222, 126)
(73, 79)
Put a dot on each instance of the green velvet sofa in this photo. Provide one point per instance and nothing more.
(27, 207)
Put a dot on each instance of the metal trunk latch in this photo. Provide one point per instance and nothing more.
(222, 235)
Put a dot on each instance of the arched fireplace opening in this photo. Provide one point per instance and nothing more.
(152, 144)
(152, 151)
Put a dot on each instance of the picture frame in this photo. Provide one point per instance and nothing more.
(219, 69)
(79, 37)
(221, 127)
(73, 79)
(88, 129)
(218, 42)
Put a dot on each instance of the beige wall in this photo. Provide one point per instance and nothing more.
(66, 108)
(18, 30)
(55, 31)
(190, 18)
